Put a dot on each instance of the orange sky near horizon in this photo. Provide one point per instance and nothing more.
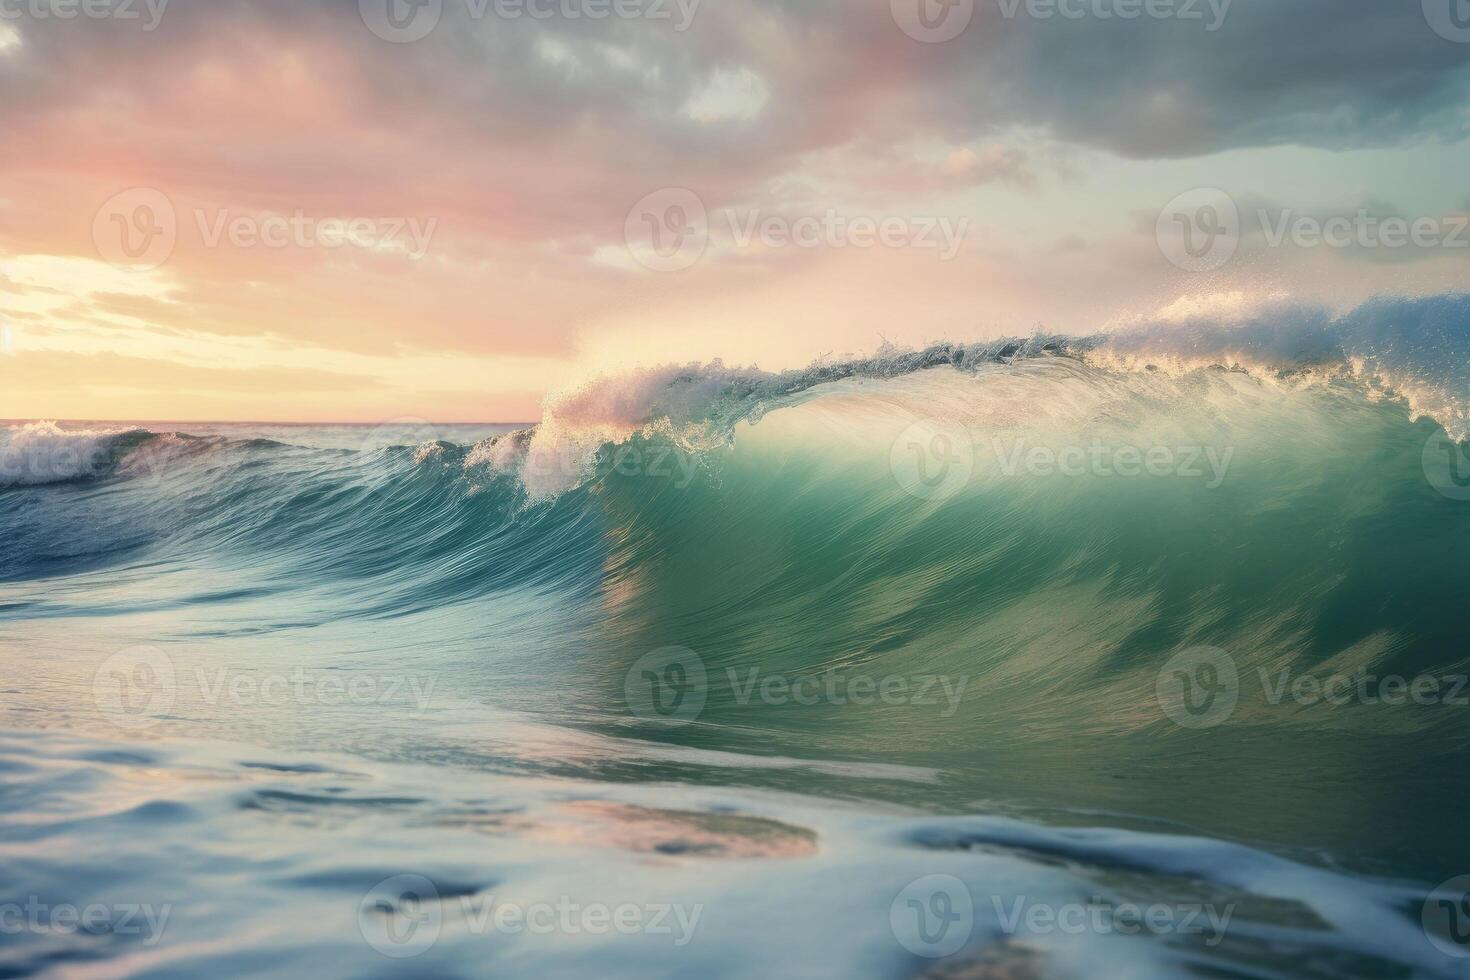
(274, 212)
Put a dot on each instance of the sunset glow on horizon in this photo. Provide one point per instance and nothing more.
(286, 211)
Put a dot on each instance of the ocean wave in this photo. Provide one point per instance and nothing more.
(869, 638)
(39, 453)
(1415, 350)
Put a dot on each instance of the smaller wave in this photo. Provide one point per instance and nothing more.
(42, 452)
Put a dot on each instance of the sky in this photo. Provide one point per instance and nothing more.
(361, 210)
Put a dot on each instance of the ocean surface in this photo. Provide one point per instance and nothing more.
(1134, 655)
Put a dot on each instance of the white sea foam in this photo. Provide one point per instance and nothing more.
(1414, 350)
(44, 452)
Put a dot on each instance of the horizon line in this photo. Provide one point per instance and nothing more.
(385, 422)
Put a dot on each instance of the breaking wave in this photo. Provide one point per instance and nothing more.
(1031, 530)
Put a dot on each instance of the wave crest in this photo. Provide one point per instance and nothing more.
(42, 452)
(1414, 350)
